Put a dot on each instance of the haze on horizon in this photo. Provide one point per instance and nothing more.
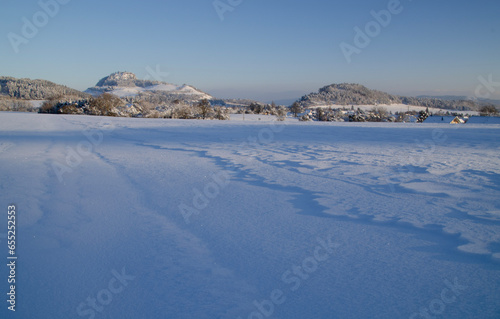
(259, 49)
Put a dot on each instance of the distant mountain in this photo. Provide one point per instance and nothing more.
(126, 85)
(480, 101)
(490, 102)
(444, 97)
(28, 89)
(356, 94)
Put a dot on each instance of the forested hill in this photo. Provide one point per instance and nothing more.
(28, 89)
(356, 94)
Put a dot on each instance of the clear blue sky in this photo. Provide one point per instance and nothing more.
(262, 49)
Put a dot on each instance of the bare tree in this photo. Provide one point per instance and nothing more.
(204, 108)
(221, 113)
(380, 111)
(104, 104)
(488, 110)
(321, 114)
(296, 109)
(281, 113)
(145, 107)
(182, 111)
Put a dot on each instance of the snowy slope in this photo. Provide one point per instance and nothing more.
(134, 91)
(126, 84)
(136, 218)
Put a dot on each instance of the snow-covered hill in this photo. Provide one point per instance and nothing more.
(29, 89)
(348, 94)
(126, 84)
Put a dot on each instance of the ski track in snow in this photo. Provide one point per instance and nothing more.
(413, 202)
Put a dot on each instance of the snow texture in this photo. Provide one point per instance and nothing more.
(149, 218)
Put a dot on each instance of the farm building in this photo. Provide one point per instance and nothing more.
(444, 120)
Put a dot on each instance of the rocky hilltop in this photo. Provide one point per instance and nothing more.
(122, 79)
(126, 85)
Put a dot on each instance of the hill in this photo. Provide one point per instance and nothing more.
(126, 85)
(480, 101)
(28, 89)
(356, 94)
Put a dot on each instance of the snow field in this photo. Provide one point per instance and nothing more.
(229, 219)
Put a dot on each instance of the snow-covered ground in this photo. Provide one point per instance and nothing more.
(151, 218)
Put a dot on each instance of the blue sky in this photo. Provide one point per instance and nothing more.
(261, 49)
